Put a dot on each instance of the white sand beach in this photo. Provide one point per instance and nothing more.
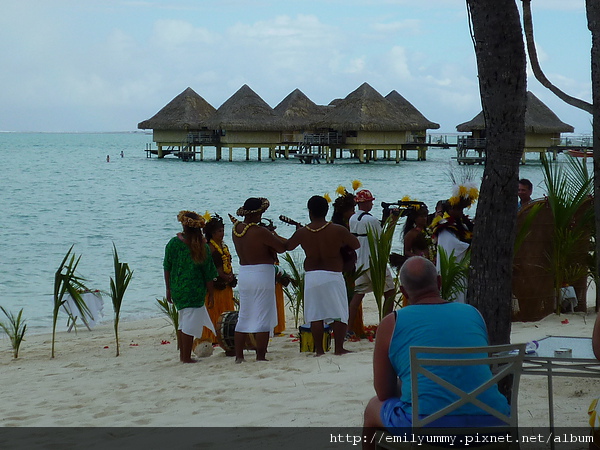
(86, 385)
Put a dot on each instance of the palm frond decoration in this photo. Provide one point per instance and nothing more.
(66, 281)
(15, 329)
(380, 246)
(523, 230)
(454, 273)
(295, 290)
(118, 286)
(169, 310)
(568, 187)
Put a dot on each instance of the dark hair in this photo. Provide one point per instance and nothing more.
(318, 206)
(214, 224)
(526, 182)
(411, 217)
(342, 204)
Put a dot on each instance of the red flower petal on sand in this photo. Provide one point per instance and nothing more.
(106, 346)
(133, 345)
(295, 340)
(564, 322)
(370, 338)
(164, 342)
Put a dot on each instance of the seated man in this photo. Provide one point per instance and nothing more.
(430, 321)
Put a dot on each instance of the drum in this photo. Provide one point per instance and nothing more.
(226, 333)
(307, 343)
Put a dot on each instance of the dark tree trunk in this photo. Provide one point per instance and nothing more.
(501, 65)
(593, 16)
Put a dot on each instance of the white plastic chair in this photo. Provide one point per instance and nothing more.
(505, 360)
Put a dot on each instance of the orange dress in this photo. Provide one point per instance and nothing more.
(223, 297)
(280, 328)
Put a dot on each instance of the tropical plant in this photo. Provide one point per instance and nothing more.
(118, 286)
(569, 186)
(15, 329)
(169, 310)
(295, 290)
(454, 273)
(66, 281)
(380, 247)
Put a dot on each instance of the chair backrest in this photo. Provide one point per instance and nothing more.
(505, 359)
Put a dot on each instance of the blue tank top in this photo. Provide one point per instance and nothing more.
(443, 325)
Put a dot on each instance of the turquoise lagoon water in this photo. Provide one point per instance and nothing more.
(58, 190)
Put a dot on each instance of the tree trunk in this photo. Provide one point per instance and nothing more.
(593, 16)
(500, 53)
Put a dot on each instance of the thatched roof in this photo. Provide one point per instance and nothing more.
(412, 116)
(298, 111)
(366, 109)
(538, 119)
(187, 111)
(246, 111)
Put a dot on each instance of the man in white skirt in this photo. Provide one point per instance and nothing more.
(257, 248)
(325, 299)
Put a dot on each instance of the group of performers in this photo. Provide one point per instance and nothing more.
(199, 276)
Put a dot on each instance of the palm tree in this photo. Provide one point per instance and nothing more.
(569, 187)
(118, 286)
(380, 247)
(66, 281)
(15, 329)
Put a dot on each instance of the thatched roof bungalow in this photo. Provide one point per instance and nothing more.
(413, 119)
(542, 126)
(187, 113)
(299, 113)
(246, 121)
(370, 122)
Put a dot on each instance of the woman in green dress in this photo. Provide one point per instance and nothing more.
(189, 276)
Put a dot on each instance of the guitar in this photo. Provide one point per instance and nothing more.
(289, 221)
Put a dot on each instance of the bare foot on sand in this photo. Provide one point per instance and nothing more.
(343, 352)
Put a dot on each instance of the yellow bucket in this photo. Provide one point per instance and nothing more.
(307, 343)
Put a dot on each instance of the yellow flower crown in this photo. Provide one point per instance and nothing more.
(187, 221)
(342, 191)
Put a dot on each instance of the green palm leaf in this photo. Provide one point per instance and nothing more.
(66, 281)
(380, 246)
(295, 290)
(118, 286)
(454, 273)
(15, 329)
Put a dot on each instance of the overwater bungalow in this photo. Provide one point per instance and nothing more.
(299, 114)
(246, 121)
(180, 126)
(542, 130)
(366, 122)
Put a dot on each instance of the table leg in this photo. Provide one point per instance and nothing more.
(551, 405)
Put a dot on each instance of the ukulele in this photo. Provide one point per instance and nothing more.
(289, 221)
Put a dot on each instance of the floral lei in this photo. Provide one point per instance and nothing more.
(462, 229)
(225, 255)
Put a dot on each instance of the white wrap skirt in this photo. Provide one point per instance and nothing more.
(258, 310)
(193, 320)
(325, 297)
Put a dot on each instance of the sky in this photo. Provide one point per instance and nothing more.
(106, 65)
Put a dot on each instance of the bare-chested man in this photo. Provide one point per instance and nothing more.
(325, 298)
(256, 248)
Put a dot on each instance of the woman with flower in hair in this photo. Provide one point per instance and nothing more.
(416, 240)
(226, 280)
(189, 275)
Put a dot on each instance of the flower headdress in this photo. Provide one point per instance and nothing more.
(465, 190)
(253, 205)
(342, 192)
(191, 219)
